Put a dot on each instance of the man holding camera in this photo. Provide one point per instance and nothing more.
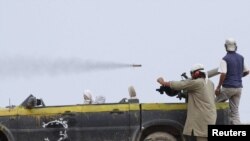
(201, 110)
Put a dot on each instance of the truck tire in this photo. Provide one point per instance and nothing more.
(3, 137)
(160, 136)
(5, 134)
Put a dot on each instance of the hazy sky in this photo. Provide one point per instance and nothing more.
(54, 49)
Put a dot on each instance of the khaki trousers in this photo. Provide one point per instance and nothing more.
(233, 95)
(201, 138)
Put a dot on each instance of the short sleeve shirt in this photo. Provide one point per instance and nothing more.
(223, 67)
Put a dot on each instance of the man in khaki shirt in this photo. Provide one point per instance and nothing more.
(201, 110)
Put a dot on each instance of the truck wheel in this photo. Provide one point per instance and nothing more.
(160, 136)
(3, 137)
(5, 134)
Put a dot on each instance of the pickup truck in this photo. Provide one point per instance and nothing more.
(125, 121)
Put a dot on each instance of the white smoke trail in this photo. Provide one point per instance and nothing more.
(26, 66)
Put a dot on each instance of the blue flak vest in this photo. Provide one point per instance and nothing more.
(235, 66)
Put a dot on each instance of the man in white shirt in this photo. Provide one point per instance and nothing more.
(232, 69)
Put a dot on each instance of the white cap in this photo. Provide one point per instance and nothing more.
(196, 67)
(230, 44)
(201, 68)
